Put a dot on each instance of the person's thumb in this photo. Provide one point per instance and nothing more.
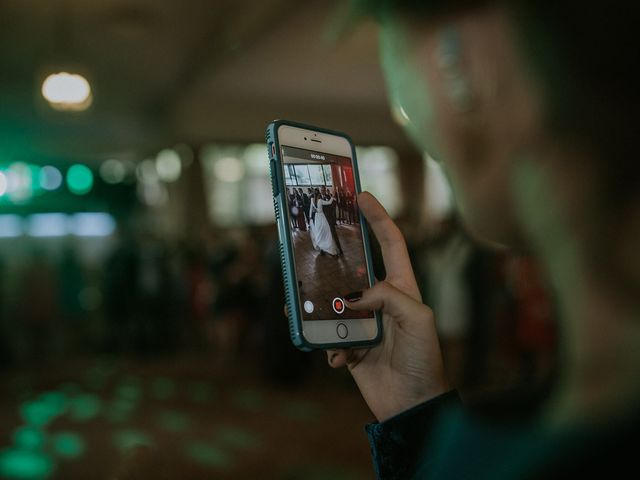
(386, 297)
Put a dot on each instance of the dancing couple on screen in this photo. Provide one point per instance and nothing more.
(322, 223)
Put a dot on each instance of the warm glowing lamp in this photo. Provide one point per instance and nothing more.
(67, 91)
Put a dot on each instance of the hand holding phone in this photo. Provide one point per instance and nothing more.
(406, 368)
(323, 240)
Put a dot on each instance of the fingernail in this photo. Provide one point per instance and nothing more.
(353, 296)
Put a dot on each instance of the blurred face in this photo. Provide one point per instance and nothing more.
(475, 161)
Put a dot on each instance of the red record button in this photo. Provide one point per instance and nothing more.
(338, 305)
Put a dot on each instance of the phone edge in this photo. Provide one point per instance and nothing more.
(286, 250)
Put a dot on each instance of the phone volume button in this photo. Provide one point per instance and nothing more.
(274, 178)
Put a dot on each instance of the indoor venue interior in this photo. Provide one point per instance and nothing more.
(142, 331)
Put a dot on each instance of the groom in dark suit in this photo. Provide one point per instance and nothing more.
(330, 213)
(306, 205)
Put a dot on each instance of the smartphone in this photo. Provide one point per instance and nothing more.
(324, 246)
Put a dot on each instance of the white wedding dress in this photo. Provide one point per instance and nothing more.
(320, 231)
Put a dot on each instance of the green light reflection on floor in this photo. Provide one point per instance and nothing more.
(235, 437)
(25, 464)
(208, 455)
(68, 444)
(120, 409)
(162, 388)
(116, 416)
(38, 412)
(249, 398)
(29, 438)
(84, 407)
(129, 391)
(128, 439)
(56, 400)
(174, 420)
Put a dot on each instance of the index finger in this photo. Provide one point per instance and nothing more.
(394, 248)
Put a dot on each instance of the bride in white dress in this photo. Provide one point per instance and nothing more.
(320, 231)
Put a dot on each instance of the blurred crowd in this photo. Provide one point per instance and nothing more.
(147, 297)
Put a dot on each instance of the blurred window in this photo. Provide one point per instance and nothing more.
(327, 174)
(379, 175)
(316, 173)
(239, 188)
(47, 225)
(237, 184)
(438, 192)
(302, 175)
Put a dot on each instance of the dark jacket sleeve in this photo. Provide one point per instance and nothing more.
(397, 443)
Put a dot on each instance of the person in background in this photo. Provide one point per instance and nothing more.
(341, 205)
(330, 213)
(293, 208)
(300, 202)
(531, 108)
(351, 208)
(306, 205)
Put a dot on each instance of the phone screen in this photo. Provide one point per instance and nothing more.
(326, 234)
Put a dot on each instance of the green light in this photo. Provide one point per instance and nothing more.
(84, 407)
(35, 173)
(24, 464)
(208, 455)
(128, 439)
(174, 420)
(129, 391)
(39, 413)
(29, 438)
(57, 400)
(79, 179)
(68, 444)
(120, 409)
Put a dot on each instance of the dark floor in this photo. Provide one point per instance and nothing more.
(107, 419)
(324, 277)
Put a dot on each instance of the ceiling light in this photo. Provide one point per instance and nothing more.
(67, 91)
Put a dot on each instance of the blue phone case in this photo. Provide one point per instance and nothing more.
(286, 249)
